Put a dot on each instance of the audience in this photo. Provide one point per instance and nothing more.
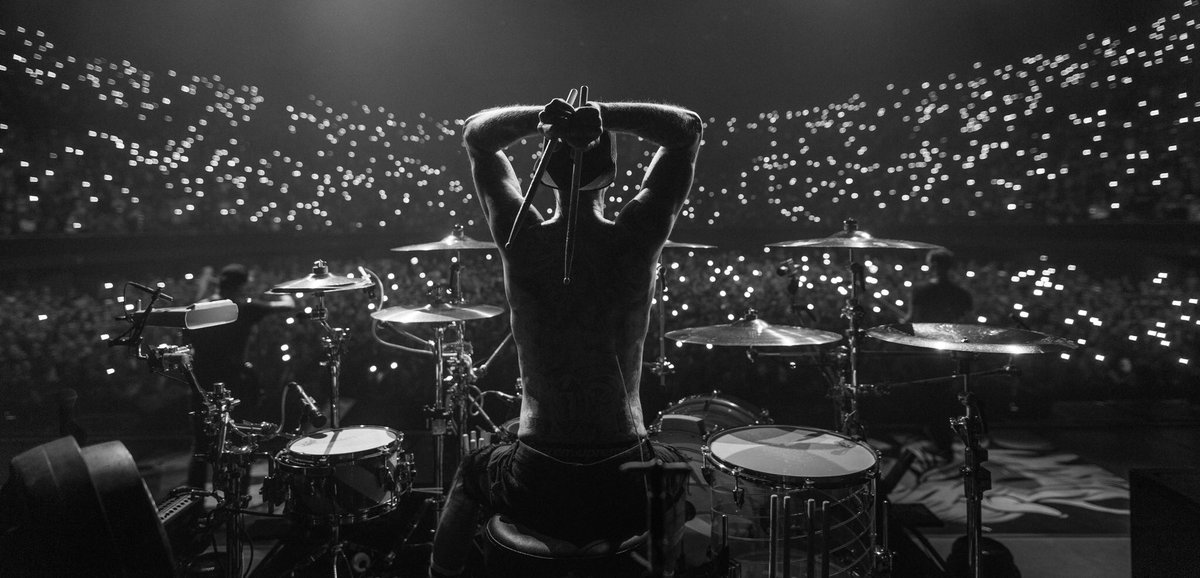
(1102, 133)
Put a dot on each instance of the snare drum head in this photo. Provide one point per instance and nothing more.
(791, 454)
(343, 442)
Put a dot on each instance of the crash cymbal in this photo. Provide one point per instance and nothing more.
(850, 237)
(753, 333)
(674, 245)
(456, 241)
(970, 338)
(321, 280)
(437, 313)
(855, 240)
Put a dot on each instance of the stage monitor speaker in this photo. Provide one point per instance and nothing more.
(1164, 522)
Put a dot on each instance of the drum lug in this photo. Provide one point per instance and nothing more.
(707, 472)
(739, 493)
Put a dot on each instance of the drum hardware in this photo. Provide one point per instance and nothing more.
(456, 398)
(661, 366)
(967, 342)
(334, 341)
(851, 238)
(233, 444)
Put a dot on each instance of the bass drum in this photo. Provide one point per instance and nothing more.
(686, 425)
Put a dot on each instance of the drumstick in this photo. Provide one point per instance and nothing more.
(573, 201)
(548, 146)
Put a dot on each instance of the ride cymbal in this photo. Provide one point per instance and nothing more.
(971, 338)
(437, 313)
(753, 333)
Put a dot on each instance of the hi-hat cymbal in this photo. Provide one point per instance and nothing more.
(437, 313)
(321, 280)
(855, 240)
(753, 333)
(970, 338)
(456, 241)
(675, 245)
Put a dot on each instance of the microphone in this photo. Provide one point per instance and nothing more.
(789, 267)
(316, 418)
(158, 292)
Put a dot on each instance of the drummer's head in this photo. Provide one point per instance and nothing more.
(599, 168)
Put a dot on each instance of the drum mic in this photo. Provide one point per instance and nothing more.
(789, 267)
(315, 417)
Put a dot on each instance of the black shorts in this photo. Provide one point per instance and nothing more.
(579, 502)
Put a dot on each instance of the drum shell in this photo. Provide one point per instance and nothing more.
(347, 486)
(687, 423)
(748, 505)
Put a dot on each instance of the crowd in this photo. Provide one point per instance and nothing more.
(1098, 133)
(1102, 133)
(1137, 339)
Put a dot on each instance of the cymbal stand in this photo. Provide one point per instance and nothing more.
(333, 343)
(847, 392)
(230, 461)
(970, 428)
(661, 367)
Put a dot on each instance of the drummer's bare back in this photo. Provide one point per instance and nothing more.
(580, 344)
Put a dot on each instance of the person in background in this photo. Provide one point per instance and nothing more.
(220, 353)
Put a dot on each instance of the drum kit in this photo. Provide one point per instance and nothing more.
(781, 499)
(790, 500)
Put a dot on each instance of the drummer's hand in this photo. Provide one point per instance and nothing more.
(579, 128)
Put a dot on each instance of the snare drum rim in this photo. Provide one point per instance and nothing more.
(825, 482)
(290, 458)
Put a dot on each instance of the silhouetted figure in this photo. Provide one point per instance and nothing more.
(580, 343)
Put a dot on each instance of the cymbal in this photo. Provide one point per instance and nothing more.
(674, 245)
(321, 280)
(970, 338)
(855, 239)
(753, 333)
(456, 241)
(437, 313)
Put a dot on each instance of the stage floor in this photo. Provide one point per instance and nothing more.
(1060, 501)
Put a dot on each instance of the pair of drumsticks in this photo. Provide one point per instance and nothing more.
(548, 147)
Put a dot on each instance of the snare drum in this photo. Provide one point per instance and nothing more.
(344, 475)
(792, 497)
